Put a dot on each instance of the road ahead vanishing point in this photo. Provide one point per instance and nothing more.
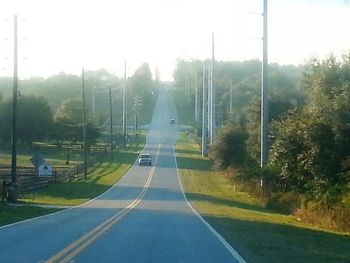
(145, 217)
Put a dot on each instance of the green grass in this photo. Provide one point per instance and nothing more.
(257, 233)
(23, 160)
(11, 214)
(100, 178)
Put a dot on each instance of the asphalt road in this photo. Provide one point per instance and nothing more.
(143, 218)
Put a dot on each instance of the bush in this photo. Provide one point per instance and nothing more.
(335, 218)
(229, 149)
(283, 202)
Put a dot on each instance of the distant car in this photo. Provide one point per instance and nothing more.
(172, 121)
(144, 159)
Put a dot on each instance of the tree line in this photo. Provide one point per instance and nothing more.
(51, 109)
(309, 125)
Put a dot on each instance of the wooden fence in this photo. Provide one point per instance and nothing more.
(28, 179)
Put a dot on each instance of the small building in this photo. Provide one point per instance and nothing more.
(45, 170)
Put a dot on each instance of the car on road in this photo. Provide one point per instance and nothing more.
(145, 159)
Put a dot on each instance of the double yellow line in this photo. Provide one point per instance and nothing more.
(71, 251)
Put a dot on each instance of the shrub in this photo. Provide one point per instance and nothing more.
(283, 202)
(336, 218)
(229, 149)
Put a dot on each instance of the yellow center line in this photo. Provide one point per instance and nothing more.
(68, 253)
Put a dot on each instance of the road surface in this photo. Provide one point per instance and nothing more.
(145, 217)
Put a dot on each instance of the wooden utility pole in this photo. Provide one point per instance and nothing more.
(14, 108)
(196, 97)
(111, 121)
(212, 126)
(204, 115)
(264, 95)
(125, 123)
(84, 123)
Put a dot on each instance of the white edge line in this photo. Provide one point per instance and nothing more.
(76, 206)
(234, 253)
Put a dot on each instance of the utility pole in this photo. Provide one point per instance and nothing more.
(137, 105)
(264, 96)
(209, 119)
(230, 96)
(124, 108)
(84, 123)
(93, 102)
(14, 114)
(158, 81)
(196, 97)
(212, 95)
(204, 115)
(187, 84)
(111, 120)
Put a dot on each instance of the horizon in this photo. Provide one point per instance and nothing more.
(78, 74)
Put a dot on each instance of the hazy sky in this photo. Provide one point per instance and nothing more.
(66, 35)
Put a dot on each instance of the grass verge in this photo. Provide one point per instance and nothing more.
(100, 178)
(55, 159)
(257, 233)
(11, 214)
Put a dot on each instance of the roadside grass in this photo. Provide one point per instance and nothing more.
(101, 177)
(11, 214)
(55, 159)
(257, 233)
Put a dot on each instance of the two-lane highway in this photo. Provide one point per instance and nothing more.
(143, 218)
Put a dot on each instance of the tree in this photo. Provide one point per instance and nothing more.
(229, 149)
(34, 119)
(70, 111)
(311, 147)
(5, 120)
(69, 120)
(142, 87)
(305, 153)
(69, 123)
(242, 80)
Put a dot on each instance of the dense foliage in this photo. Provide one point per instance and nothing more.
(309, 121)
(34, 119)
(311, 148)
(229, 148)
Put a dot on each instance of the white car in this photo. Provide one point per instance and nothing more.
(145, 158)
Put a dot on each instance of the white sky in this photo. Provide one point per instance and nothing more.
(66, 35)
